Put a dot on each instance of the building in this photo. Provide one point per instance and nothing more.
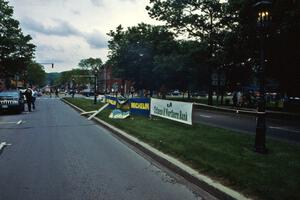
(110, 84)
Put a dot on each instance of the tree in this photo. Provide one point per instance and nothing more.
(242, 44)
(284, 52)
(73, 76)
(36, 74)
(199, 19)
(91, 64)
(185, 68)
(16, 51)
(132, 53)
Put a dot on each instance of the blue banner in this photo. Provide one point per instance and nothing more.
(140, 106)
(137, 106)
(112, 101)
(117, 103)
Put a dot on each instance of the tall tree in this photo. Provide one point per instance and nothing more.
(199, 19)
(94, 65)
(282, 51)
(16, 51)
(132, 53)
(73, 76)
(36, 74)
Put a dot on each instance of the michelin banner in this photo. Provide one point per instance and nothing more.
(173, 110)
(140, 106)
(137, 106)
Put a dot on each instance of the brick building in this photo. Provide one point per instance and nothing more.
(108, 83)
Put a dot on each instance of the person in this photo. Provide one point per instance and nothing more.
(34, 95)
(73, 93)
(28, 95)
(56, 92)
(234, 99)
(239, 99)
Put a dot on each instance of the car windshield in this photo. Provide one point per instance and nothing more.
(9, 94)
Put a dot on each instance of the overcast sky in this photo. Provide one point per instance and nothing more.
(66, 31)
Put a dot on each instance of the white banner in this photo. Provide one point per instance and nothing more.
(173, 110)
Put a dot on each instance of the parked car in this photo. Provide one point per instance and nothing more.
(11, 100)
(87, 92)
(175, 93)
(199, 94)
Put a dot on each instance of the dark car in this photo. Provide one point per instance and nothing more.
(11, 101)
(87, 92)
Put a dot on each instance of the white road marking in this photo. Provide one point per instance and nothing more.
(7, 122)
(3, 144)
(284, 129)
(18, 122)
(205, 116)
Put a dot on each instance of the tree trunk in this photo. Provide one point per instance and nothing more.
(222, 95)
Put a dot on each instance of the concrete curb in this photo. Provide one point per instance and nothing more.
(217, 189)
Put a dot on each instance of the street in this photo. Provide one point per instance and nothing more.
(281, 129)
(57, 154)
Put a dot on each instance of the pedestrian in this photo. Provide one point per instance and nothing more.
(239, 99)
(34, 95)
(234, 99)
(28, 95)
(50, 92)
(56, 93)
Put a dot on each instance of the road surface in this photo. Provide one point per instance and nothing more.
(280, 129)
(57, 154)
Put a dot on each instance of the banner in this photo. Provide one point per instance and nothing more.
(112, 101)
(140, 106)
(137, 106)
(173, 110)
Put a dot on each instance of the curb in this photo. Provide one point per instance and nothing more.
(206, 183)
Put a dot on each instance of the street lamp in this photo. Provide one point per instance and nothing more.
(263, 22)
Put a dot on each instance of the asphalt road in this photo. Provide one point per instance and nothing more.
(57, 154)
(280, 129)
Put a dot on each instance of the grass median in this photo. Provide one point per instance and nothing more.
(224, 155)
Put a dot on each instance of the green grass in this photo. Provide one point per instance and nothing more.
(222, 154)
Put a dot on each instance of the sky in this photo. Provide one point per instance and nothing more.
(66, 31)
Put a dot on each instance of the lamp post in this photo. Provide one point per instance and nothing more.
(263, 22)
(95, 89)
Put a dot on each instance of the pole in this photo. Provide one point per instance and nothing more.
(260, 137)
(95, 90)
(210, 87)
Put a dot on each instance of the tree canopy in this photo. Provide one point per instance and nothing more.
(91, 64)
(16, 51)
(132, 53)
(229, 30)
(36, 74)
